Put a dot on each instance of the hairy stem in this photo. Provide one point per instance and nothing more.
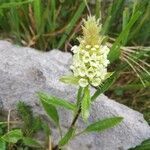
(79, 98)
(78, 103)
(76, 118)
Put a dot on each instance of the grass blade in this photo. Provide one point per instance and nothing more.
(37, 13)
(115, 49)
(14, 4)
(71, 24)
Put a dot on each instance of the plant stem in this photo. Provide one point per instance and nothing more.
(76, 117)
(79, 98)
(60, 131)
(78, 103)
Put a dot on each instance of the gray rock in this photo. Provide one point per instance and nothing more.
(25, 71)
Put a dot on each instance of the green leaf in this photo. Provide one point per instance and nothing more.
(103, 124)
(107, 83)
(37, 13)
(125, 20)
(113, 11)
(53, 15)
(26, 115)
(85, 104)
(31, 142)
(79, 96)
(70, 79)
(145, 145)
(12, 136)
(14, 4)
(46, 128)
(67, 137)
(108, 75)
(115, 49)
(97, 9)
(56, 101)
(71, 24)
(2, 145)
(51, 111)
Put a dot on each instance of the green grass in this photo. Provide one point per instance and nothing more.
(40, 24)
(56, 24)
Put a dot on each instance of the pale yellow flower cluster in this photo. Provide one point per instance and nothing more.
(89, 63)
(90, 57)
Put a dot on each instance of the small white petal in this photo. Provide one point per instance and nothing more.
(94, 57)
(75, 49)
(106, 62)
(83, 82)
(104, 50)
(72, 67)
(82, 72)
(91, 72)
(96, 81)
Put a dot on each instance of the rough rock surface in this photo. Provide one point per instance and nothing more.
(24, 71)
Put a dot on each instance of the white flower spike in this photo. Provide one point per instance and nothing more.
(90, 57)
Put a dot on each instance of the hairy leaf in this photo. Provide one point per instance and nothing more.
(31, 142)
(85, 104)
(145, 145)
(103, 124)
(12, 136)
(67, 137)
(26, 115)
(51, 111)
(56, 101)
(46, 128)
(70, 79)
(79, 96)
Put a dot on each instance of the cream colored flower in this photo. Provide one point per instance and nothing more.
(83, 82)
(86, 57)
(82, 71)
(75, 49)
(104, 50)
(90, 57)
(96, 81)
(91, 73)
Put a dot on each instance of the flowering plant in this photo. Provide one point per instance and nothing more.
(89, 68)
